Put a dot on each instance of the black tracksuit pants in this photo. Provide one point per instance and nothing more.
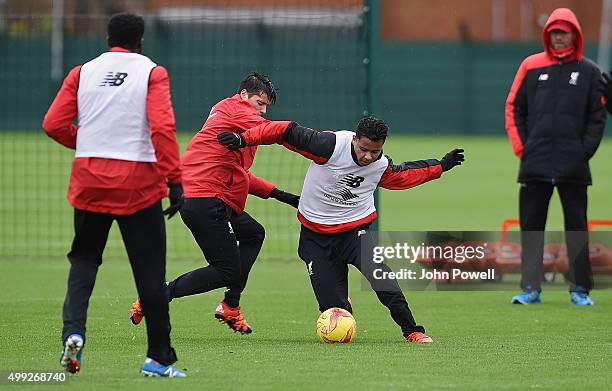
(230, 243)
(327, 257)
(534, 198)
(144, 236)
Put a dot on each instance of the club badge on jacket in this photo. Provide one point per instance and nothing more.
(574, 78)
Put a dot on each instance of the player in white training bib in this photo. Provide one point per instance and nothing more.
(337, 205)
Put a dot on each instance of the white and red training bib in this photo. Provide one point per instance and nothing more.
(112, 114)
(340, 191)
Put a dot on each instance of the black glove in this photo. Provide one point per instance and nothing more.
(175, 194)
(607, 79)
(233, 141)
(287, 198)
(452, 159)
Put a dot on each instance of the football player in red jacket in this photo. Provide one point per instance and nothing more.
(216, 183)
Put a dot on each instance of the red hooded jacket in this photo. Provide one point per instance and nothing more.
(555, 115)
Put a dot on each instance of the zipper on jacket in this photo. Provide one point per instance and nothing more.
(557, 85)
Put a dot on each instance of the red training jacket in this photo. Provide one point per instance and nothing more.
(211, 170)
(114, 186)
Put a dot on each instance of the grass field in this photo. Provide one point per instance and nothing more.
(481, 341)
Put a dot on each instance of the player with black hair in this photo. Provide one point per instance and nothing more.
(372, 128)
(257, 84)
(337, 205)
(126, 31)
(127, 157)
(216, 186)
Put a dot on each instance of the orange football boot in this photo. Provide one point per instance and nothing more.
(136, 313)
(418, 337)
(232, 317)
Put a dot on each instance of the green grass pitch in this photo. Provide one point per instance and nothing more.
(481, 341)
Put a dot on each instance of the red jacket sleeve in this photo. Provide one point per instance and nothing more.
(314, 145)
(260, 187)
(58, 120)
(162, 123)
(516, 112)
(410, 174)
(267, 133)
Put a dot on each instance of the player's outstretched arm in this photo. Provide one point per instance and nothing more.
(285, 197)
(410, 174)
(264, 134)
(315, 145)
(262, 188)
(452, 159)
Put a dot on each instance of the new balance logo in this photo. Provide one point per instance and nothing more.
(113, 79)
(543, 77)
(345, 183)
(309, 265)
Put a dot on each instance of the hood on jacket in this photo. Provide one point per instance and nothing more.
(563, 15)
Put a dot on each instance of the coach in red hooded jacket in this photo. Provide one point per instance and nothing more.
(555, 120)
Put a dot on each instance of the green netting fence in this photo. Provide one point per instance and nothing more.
(314, 54)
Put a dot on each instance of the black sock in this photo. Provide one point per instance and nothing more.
(232, 298)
